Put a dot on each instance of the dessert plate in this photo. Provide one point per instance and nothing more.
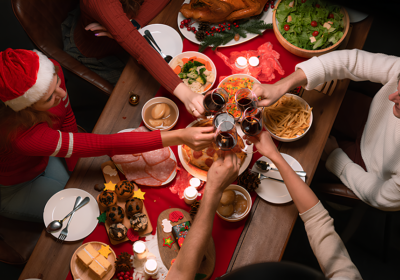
(84, 220)
(274, 191)
(167, 38)
(78, 269)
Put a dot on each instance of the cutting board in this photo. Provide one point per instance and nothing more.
(168, 254)
(121, 202)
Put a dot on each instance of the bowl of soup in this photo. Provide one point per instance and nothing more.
(235, 204)
(160, 113)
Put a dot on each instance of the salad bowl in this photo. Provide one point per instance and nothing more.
(309, 53)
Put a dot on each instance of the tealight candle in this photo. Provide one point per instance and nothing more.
(151, 267)
(190, 195)
(254, 61)
(195, 182)
(241, 62)
(140, 249)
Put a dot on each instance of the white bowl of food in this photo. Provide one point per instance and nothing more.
(276, 118)
(235, 204)
(238, 81)
(160, 113)
(196, 70)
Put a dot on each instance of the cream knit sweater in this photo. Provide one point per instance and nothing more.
(327, 246)
(380, 142)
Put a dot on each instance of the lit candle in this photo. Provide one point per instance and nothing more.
(151, 267)
(190, 195)
(140, 249)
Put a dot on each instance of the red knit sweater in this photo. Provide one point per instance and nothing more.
(28, 155)
(110, 14)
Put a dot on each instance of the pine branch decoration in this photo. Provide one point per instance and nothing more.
(254, 26)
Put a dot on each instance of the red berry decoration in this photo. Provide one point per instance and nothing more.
(188, 29)
(121, 278)
(181, 26)
(272, 6)
(182, 22)
(223, 29)
(229, 24)
(195, 31)
(127, 273)
(189, 20)
(314, 23)
(229, 28)
(213, 28)
(315, 33)
(286, 27)
(237, 25)
(331, 15)
(266, 7)
(303, 1)
(212, 34)
(317, 5)
(193, 28)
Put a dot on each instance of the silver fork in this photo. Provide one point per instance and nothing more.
(64, 232)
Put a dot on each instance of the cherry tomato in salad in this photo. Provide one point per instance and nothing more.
(317, 5)
(331, 15)
(315, 33)
(286, 27)
(314, 23)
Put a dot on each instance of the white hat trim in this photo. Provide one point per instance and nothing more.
(39, 89)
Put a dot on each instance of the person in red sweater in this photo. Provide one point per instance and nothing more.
(122, 19)
(39, 128)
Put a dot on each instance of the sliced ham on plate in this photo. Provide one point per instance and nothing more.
(125, 158)
(149, 181)
(162, 170)
(135, 170)
(156, 156)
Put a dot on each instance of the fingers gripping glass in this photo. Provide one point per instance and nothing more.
(215, 100)
(252, 123)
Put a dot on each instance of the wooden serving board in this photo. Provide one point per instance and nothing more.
(168, 254)
(80, 271)
(121, 203)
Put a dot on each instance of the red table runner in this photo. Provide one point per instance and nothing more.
(225, 234)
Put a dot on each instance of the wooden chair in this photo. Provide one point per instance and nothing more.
(41, 20)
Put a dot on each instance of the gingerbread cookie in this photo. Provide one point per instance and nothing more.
(133, 206)
(117, 231)
(139, 222)
(115, 214)
(107, 198)
(124, 189)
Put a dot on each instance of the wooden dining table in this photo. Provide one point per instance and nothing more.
(268, 226)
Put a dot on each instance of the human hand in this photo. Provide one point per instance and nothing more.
(269, 94)
(331, 145)
(192, 101)
(197, 138)
(264, 144)
(223, 172)
(95, 26)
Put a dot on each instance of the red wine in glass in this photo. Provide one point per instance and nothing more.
(215, 101)
(225, 141)
(245, 103)
(252, 122)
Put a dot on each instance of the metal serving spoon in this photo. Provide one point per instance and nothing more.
(57, 224)
(167, 58)
(266, 167)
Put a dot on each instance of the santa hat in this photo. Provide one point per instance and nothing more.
(25, 77)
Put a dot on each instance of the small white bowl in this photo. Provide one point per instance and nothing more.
(160, 100)
(199, 55)
(298, 137)
(249, 203)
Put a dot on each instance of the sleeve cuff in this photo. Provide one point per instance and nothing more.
(314, 71)
(312, 212)
(337, 161)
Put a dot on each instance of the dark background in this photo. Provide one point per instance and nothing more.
(364, 248)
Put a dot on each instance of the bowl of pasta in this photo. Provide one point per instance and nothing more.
(288, 119)
(196, 70)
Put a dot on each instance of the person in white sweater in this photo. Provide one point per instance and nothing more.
(379, 184)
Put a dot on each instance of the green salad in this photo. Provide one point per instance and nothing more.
(310, 24)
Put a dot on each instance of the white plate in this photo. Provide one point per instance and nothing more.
(267, 17)
(274, 191)
(172, 156)
(201, 176)
(84, 220)
(167, 38)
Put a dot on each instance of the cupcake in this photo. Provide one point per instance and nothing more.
(115, 214)
(139, 222)
(117, 231)
(107, 198)
(124, 189)
(133, 206)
